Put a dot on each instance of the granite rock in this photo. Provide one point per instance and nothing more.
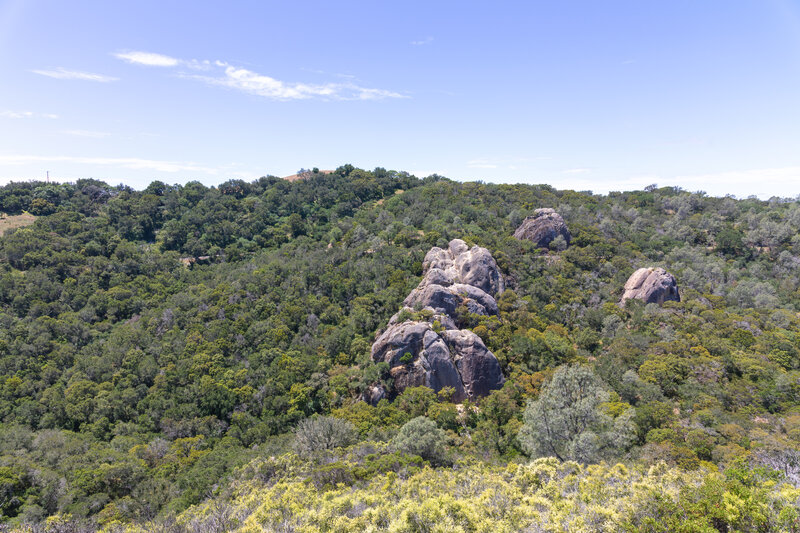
(651, 285)
(543, 227)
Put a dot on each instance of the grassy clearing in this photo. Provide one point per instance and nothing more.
(9, 222)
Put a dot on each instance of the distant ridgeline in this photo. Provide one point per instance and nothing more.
(158, 348)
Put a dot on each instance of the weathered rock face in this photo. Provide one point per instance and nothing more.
(461, 264)
(418, 354)
(458, 276)
(446, 299)
(479, 369)
(542, 228)
(651, 285)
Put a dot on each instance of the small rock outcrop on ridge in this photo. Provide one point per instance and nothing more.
(651, 285)
(543, 227)
(422, 343)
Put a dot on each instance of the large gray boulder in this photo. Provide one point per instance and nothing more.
(418, 355)
(374, 394)
(437, 297)
(456, 276)
(478, 367)
(651, 285)
(543, 227)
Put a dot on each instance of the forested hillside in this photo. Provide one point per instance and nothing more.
(169, 358)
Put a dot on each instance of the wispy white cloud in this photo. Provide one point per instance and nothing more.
(354, 92)
(250, 82)
(26, 114)
(576, 171)
(422, 42)
(336, 74)
(87, 133)
(122, 162)
(148, 58)
(63, 74)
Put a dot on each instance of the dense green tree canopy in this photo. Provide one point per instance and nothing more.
(153, 343)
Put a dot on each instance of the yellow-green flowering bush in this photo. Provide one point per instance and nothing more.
(544, 495)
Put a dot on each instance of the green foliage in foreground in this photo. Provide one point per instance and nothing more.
(420, 436)
(321, 433)
(567, 420)
(545, 496)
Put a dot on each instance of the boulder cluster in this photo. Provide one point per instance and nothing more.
(543, 227)
(651, 285)
(422, 343)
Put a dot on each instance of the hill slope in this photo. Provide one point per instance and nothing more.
(134, 385)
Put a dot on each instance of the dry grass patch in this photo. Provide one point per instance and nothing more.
(9, 222)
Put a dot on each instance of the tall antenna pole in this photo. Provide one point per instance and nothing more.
(48, 176)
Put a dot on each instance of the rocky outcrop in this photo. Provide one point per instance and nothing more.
(543, 227)
(422, 344)
(456, 276)
(651, 285)
(418, 355)
(446, 299)
(478, 367)
(461, 264)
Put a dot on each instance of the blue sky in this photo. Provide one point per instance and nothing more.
(587, 95)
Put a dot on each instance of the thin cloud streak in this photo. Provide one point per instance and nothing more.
(250, 82)
(514, 163)
(480, 163)
(151, 59)
(148, 59)
(63, 74)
